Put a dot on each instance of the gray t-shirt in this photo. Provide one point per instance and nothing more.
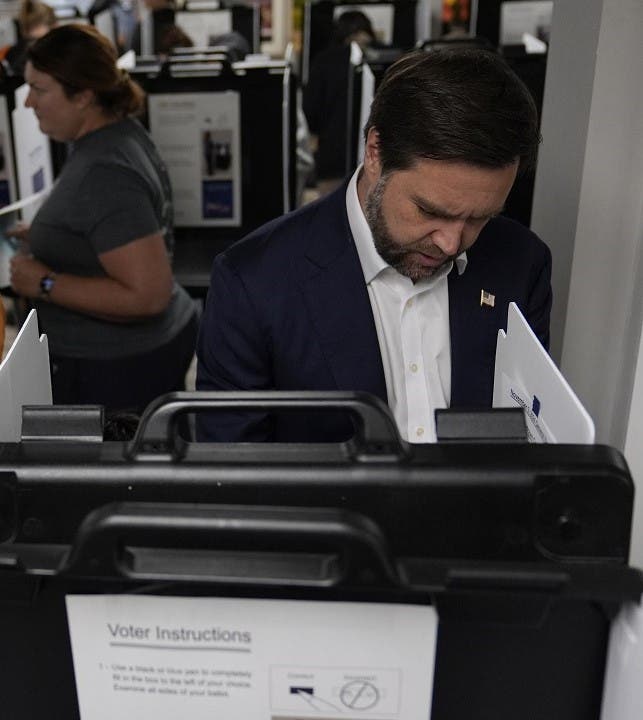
(112, 190)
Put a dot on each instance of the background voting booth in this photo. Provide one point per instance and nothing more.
(369, 579)
(394, 24)
(227, 133)
(204, 24)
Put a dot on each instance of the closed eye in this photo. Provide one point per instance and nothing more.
(425, 212)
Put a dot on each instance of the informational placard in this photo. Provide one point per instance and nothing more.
(204, 27)
(33, 153)
(198, 137)
(7, 174)
(159, 658)
(381, 17)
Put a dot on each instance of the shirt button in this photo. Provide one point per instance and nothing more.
(409, 303)
(413, 367)
(419, 432)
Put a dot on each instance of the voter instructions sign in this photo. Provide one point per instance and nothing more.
(225, 658)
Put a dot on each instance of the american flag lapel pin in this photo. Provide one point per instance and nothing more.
(486, 298)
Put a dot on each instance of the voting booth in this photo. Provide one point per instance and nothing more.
(205, 22)
(369, 579)
(227, 134)
(394, 24)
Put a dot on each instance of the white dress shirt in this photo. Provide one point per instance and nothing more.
(412, 322)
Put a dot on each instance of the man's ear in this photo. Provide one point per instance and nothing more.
(372, 162)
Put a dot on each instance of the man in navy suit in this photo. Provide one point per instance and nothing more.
(397, 283)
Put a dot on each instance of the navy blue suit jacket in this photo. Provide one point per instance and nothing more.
(288, 309)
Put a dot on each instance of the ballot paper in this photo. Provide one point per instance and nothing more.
(525, 376)
(623, 692)
(25, 378)
(162, 658)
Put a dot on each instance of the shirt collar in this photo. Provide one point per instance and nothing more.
(371, 261)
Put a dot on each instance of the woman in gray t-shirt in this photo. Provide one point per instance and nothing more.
(98, 260)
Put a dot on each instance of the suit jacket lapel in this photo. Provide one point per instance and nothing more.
(338, 303)
(473, 330)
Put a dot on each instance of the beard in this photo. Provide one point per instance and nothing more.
(400, 257)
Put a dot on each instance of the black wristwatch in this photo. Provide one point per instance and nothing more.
(47, 283)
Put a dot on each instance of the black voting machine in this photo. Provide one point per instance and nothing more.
(521, 548)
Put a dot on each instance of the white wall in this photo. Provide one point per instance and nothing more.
(634, 455)
(566, 110)
(588, 205)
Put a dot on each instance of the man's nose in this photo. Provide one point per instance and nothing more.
(448, 237)
(29, 100)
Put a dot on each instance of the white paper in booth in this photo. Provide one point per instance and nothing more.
(160, 658)
(25, 378)
(623, 689)
(525, 376)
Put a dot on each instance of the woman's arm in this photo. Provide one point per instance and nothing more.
(138, 283)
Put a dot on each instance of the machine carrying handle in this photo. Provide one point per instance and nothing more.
(174, 542)
(376, 433)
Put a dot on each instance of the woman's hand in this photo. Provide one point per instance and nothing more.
(19, 231)
(26, 273)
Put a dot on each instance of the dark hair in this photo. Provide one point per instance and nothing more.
(349, 23)
(463, 104)
(80, 58)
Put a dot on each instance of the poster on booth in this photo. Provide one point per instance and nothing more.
(198, 137)
(7, 176)
(201, 658)
(33, 156)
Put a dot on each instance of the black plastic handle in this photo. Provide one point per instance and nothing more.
(375, 429)
(261, 545)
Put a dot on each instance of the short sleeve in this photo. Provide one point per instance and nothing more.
(115, 207)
